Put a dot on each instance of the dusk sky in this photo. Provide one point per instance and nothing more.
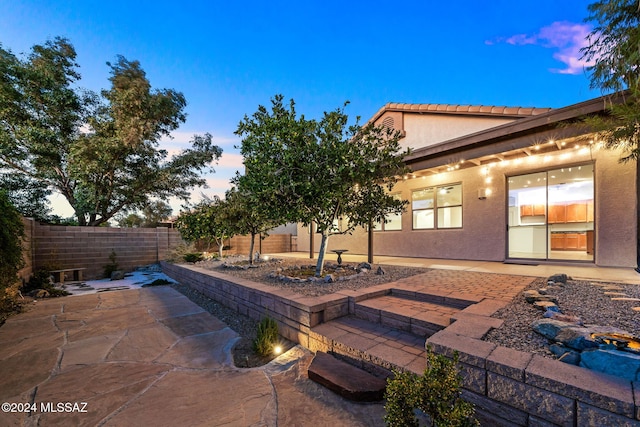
(228, 58)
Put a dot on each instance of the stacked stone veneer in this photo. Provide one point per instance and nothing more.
(508, 387)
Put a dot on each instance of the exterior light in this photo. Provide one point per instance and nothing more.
(277, 349)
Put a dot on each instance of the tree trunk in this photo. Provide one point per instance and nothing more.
(220, 247)
(251, 246)
(321, 254)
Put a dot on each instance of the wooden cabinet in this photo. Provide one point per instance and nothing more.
(557, 214)
(526, 210)
(581, 211)
(569, 241)
(533, 210)
(557, 241)
(577, 212)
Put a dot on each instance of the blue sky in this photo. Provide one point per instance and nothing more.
(229, 57)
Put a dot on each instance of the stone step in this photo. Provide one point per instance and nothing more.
(367, 343)
(346, 380)
(419, 316)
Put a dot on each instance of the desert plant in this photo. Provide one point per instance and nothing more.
(436, 393)
(112, 266)
(192, 257)
(41, 280)
(267, 337)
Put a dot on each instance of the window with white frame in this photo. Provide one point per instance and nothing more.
(437, 207)
(393, 222)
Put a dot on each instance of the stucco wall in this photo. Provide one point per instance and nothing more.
(484, 232)
(429, 129)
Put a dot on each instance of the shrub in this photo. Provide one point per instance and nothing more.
(436, 393)
(267, 337)
(192, 257)
(41, 279)
(112, 266)
(11, 235)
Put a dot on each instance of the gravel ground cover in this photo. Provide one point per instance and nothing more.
(587, 300)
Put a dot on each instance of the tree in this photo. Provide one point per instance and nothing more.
(613, 50)
(246, 217)
(100, 152)
(152, 215)
(300, 170)
(207, 221)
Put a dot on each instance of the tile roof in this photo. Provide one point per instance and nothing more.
(478, 110)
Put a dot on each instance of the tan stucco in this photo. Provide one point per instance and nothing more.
(484, 232)
(424, 130)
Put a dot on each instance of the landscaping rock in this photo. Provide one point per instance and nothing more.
(545, 305)
(619, 363)
(380, 271)
(559, 278)
(549, 328)
(329, 278)
(364, 265)
(576, 338)
(117, 275)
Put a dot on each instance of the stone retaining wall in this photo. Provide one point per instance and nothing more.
(508, 387)
(514, 388)
(296, 314)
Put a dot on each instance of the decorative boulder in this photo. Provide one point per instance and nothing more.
(549, 328)
(117, 275)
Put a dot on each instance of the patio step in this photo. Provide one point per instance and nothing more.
(420, 314)
(371, 346)
(345, 379)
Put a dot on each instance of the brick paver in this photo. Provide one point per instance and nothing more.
(392, 329)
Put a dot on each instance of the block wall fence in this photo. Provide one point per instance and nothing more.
(61, 247)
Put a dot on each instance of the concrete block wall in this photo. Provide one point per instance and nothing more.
(60, 247)
(273, 243)
(296, 314)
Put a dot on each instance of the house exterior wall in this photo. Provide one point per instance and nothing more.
(423, 130)
(484, 233)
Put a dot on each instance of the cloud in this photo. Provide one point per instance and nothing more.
(565, 38)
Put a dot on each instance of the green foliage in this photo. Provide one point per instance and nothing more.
(11, 235)
(41, 279)
(267, 337)
(192, 257)
(152, 215)
(112, 266)
(157, 282)
(245, 217)
(436, 393)
(300, 170)
(115, 166)
(614, 56)
(210, 221)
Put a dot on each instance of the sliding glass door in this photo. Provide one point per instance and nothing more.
(551, 215)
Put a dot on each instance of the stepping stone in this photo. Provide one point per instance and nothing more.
(346, 380)
(625, 299)
(635, 308)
